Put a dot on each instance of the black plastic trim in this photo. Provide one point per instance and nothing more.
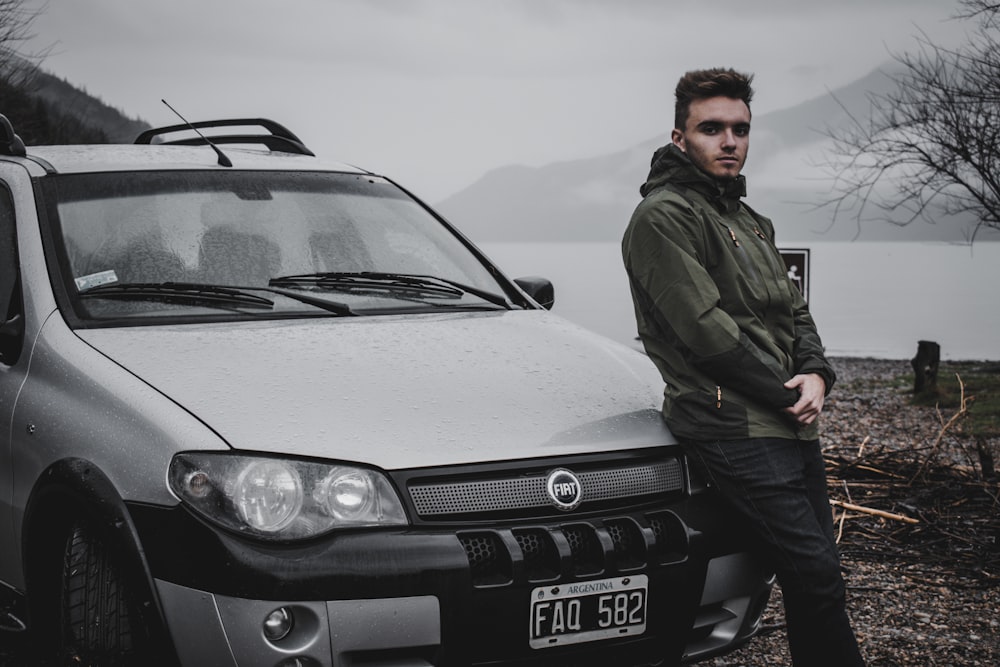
(186, 550)
(482, 623)
(69, 490)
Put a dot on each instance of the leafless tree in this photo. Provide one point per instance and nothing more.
(16, 66)
(932, 144)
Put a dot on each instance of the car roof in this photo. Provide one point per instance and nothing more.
(223, 144)
(92, 158)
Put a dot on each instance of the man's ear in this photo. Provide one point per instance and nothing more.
(677, 137)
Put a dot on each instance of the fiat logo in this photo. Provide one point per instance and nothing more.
(564, 489)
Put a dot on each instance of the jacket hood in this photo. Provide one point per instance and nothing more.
(671, 165)
(402, 391)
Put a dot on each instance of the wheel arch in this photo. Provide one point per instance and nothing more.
(68, 491)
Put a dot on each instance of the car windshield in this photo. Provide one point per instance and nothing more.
(256, 244)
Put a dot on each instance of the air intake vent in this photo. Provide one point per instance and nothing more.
(630, 547)
(588, 555)
(489, 560)
(541, 557)
(575, 550)
(671, 537)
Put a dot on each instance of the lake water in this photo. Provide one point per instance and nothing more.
(868, 299)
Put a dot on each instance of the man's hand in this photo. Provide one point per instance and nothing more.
(812, 391)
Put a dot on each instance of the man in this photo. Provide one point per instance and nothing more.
(743, 364)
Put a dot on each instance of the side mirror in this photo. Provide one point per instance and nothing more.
(539, 289)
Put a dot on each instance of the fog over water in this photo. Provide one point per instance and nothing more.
(868, 299)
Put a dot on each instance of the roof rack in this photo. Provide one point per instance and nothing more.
(10, 143)
(279, 139)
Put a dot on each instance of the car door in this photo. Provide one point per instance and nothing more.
(11, 342)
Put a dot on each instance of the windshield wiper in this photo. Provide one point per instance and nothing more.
(188, 293)
(325, 304)
(373, 280)
(211, 295)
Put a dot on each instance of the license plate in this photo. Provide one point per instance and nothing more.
(588, 611)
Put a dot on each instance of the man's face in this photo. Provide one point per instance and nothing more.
(717, 136)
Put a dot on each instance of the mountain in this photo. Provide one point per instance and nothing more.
(45, 109)
(581, 200)
(59, 93)
(592, 199)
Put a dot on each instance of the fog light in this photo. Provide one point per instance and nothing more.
(278, 624)
(299, 661)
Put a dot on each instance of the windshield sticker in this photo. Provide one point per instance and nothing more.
(84, 283)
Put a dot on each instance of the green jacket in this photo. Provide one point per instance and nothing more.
(716, 311)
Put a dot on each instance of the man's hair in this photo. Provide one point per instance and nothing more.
(704, 83)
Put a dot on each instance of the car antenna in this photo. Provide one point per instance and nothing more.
(223, 160)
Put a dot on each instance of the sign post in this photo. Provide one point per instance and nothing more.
(797, 265)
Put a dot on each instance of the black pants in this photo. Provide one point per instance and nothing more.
(778, 489)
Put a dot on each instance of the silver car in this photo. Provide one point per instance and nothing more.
(262, 409)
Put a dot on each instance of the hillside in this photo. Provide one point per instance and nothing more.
(592, 199)
(48, 110)
(114, 123)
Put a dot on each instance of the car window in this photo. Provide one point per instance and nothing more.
(11, 322)
(243, 230)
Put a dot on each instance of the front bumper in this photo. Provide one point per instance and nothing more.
(404, 632)
(450, 597)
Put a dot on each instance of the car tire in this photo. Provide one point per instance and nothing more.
(98, 619)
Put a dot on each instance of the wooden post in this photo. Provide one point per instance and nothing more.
(925, 366)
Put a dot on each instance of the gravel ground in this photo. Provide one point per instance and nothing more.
(924, 594)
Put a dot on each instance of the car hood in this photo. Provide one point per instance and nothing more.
(402, 391)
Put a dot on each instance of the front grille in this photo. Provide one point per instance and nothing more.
(522, 492)
(581, 549)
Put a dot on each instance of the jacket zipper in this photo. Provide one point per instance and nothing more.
(756, 230)
(718, 397)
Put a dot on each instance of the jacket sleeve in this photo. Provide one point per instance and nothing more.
(665, 257)
(808, 352)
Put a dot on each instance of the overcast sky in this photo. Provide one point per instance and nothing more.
(436, 92)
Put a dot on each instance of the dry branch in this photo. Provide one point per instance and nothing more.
(874, 512)
(891, 454)
(963, 410)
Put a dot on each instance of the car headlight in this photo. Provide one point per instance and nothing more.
(283, 499)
